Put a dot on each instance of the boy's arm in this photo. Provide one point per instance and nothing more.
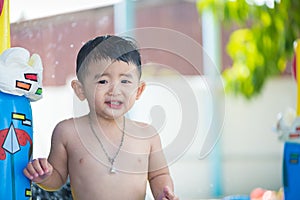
(51, 174)
(159, 176)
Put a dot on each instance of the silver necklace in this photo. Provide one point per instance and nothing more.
(110, 159)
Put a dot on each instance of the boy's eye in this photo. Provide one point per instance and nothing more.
(125, 81)
(102, 81)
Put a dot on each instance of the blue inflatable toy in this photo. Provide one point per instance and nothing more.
(20, 83)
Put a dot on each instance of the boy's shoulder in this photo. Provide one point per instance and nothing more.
(141, 129)
(67, 129)
(67, 126)
(66, 123)
(140, 125)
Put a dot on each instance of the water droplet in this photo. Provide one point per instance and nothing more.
(74, 24)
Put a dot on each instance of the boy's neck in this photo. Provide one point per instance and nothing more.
(107, 124)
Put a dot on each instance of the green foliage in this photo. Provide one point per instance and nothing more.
(261, 45)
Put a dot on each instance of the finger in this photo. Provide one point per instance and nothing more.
(44, 165)
(169, 193)
(31, 170)
(37, 166)
(28, 174)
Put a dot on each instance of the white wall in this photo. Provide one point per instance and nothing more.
(251, 153)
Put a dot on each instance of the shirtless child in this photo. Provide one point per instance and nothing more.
(105, 155)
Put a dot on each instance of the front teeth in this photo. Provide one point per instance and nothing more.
(115, 103)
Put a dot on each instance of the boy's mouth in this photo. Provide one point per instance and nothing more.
(114, 104)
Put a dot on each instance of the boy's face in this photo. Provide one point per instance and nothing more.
(111, 88)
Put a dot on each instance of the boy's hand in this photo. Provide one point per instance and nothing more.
(38, 170)
(167, 194)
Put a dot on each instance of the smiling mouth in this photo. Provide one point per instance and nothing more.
(114, 104)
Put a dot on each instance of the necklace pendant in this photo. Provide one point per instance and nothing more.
(113, 170)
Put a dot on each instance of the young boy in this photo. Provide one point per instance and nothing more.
(105, 155)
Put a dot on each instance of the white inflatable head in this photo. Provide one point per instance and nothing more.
(21, 74)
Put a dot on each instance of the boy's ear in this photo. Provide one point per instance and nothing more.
(78, 89)
(140, 89)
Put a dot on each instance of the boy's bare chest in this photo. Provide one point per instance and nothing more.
(132, 157)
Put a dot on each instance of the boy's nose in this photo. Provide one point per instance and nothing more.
(114, 89)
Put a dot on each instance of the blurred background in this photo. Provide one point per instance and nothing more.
(247, 50)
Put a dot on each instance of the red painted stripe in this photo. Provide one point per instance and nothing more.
(32, 77)
(294, 135)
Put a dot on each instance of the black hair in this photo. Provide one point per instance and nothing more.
(107, 47)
